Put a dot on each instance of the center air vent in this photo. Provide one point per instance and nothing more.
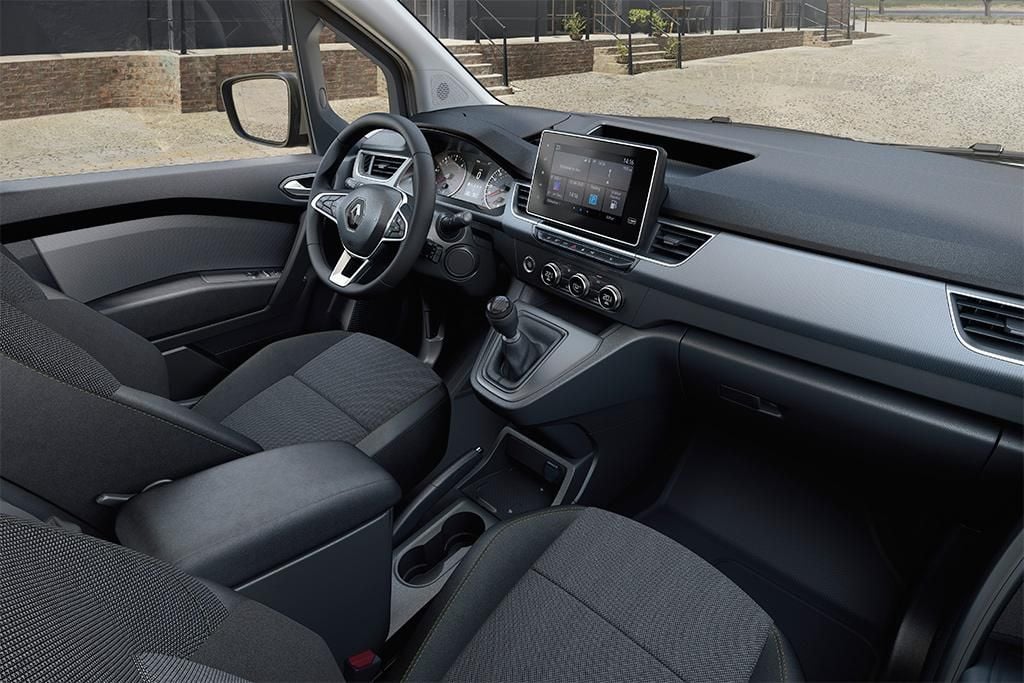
(381, 165)
(522, 199)
(988, 326)
(674, 243)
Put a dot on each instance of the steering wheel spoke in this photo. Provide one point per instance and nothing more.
(398, 225)
(324, 203)
(348, 269)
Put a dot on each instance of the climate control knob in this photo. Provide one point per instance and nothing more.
(579, 285)
(610, 298)
(550, 274)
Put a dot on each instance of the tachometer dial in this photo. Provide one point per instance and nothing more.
(496, 193)
(450, 172)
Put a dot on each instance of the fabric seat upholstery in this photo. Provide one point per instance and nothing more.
(64, 364)
(565, 594)
(574, 594)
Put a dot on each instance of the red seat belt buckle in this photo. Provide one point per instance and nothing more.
(364, 666)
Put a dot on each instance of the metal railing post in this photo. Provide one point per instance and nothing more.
(679, 42)
(284, 26)
(849, 21)
(783, 15)
(826, 21)
(504, 57)
(588, 19)
(763, 10)
(712, 17)
(629, 38)
(476, 21)
(739, 13)
(800, 17)
(536, 21)
(866, 11)
(182, 47)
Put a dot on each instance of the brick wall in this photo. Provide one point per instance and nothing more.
(704, 45)
(57, 84)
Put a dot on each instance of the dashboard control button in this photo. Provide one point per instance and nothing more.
(460, 261)
(579, 285)
(610, 298)
(550, 274)
(529, 265)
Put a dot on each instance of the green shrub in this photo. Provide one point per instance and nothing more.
(575, 25)
(659, 24)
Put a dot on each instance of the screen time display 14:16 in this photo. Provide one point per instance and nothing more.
(594, 185)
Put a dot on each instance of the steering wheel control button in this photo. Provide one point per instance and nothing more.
(550, 275)
(460, 262)
(395, 229)
(610, 298)
(579, 285)
(529, 265)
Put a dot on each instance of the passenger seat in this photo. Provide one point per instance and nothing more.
(562, 594)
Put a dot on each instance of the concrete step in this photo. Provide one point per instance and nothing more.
(639, 66)
(832, 42)
(479, 69)
(488, 80)
(500, 90)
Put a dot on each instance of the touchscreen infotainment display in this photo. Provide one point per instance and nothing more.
(593, 185)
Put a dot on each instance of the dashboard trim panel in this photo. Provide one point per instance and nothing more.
(535, 221)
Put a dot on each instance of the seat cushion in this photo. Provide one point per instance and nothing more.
(336, 386)
(583, 594)
(76, 608)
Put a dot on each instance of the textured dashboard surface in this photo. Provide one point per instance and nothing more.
(951, 219)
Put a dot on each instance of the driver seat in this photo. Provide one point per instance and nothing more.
(86, 410)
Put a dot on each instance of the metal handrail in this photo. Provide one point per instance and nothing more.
(629, 32)
(655, 7)
(504, 38)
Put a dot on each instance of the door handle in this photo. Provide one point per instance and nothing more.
(297, 186)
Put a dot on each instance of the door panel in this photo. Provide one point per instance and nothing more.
(207, 260)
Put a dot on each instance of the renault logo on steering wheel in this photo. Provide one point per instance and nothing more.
(354, 214)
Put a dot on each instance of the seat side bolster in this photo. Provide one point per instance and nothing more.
(197, 423)
(498, 560)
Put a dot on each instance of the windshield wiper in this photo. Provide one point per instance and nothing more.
(982, 151)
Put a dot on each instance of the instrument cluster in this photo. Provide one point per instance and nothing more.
(465, 174)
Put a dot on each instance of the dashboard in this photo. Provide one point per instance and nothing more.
(465, 174)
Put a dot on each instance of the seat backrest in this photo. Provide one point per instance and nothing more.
(77, 608)
(129, 358)
(84, 405)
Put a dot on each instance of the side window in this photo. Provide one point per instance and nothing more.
(355, 84)
(104, 86)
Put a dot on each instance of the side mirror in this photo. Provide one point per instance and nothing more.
(266, 109)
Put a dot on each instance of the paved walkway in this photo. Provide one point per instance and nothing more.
(929, 84)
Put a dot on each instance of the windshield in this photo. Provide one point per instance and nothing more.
(916, 72)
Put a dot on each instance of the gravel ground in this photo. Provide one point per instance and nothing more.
(928, 84)
(931, 84)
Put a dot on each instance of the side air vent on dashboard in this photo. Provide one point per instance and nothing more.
(522, 198)
(381, 165)
(988, 326)
(674, 243)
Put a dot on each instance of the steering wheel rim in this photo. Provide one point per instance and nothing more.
(372, 214)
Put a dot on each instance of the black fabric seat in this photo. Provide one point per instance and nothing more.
(563, 594)
(86, 408)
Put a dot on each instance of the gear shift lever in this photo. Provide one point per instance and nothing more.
(518, 353)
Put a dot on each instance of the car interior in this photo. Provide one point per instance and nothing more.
(474, 391)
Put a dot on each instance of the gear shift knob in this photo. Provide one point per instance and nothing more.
(504, 317)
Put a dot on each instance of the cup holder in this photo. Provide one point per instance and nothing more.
(423, 563)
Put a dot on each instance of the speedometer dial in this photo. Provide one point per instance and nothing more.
(496, 193)
(449, 172)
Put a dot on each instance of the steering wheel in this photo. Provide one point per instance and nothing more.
(381, 227)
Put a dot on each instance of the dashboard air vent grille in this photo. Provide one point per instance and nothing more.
(381, 165)
(991, 326)
(522, 198)
(675, 244)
